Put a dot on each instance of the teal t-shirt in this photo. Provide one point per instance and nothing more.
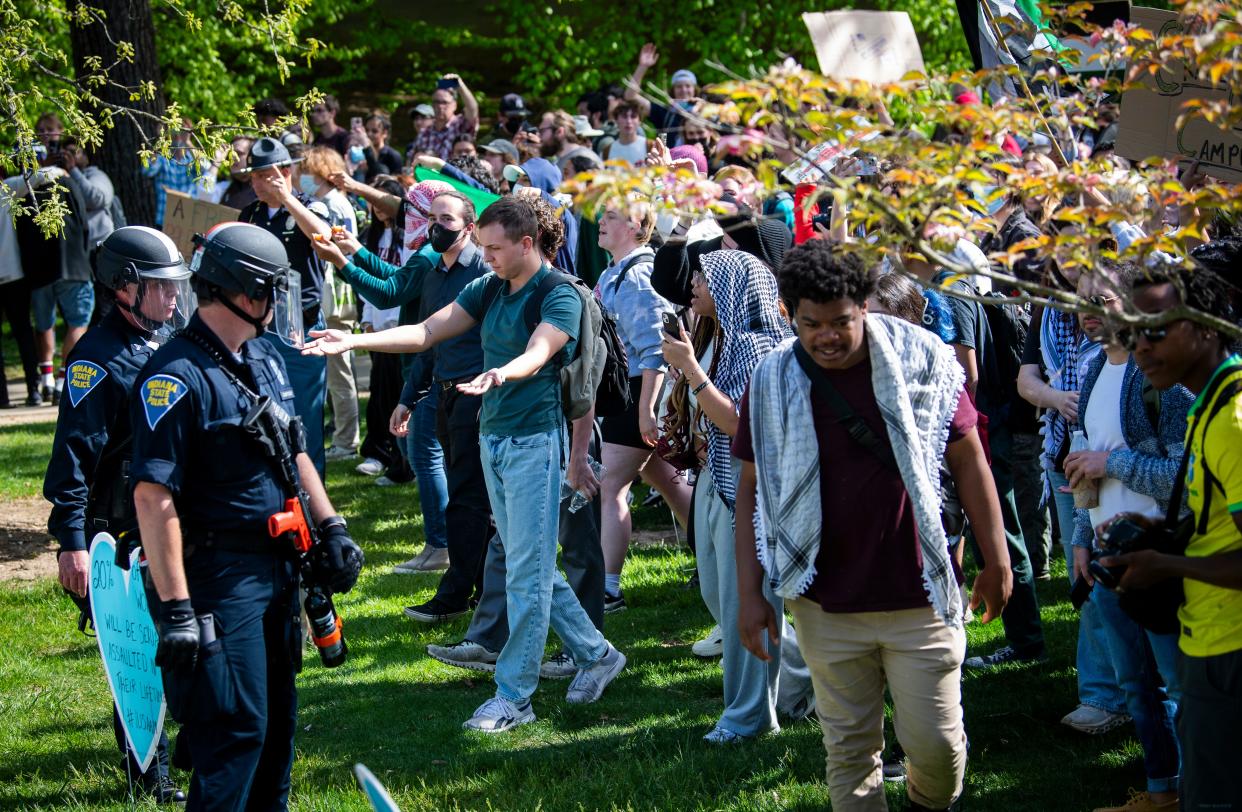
(533, 405)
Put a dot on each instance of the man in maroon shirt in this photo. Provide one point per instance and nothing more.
(880, 602)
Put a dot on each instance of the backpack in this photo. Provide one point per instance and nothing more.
(598, 374)
(1009, 323)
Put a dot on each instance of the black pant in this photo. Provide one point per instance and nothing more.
(15, 306)
(468, 518)
(386, 382)
(1207, 725)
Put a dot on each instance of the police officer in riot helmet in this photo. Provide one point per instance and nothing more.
(208, 479)
(144, 275)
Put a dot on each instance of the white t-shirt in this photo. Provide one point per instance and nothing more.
(1104, 433)
(635, 152)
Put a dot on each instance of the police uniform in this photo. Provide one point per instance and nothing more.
(308, 373)
(90, 453)
(237, 705)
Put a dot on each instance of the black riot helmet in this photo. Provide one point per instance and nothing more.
(244, 258)
(148, 259)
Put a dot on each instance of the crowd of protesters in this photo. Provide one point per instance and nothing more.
(831, 437)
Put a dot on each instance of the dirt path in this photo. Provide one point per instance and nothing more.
(27, 552)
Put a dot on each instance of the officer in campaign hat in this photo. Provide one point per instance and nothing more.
(294, 218)
(209, 475)
(147, 280)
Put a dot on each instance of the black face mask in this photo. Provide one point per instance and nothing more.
(441, 238)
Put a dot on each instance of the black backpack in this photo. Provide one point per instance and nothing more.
(598, 373)
(1009, 323)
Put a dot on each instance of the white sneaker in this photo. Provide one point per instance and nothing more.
(430, 559)
(385, 482)
(559, 667)
(338, 453)
(497, 715)
(466, 654)
(590, 683)
(710, 646)
(722, 735)
(370, 467)
(1094, 721)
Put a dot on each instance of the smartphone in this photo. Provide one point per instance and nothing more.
(1080, 593)
(355, 123)
(672, 324)
(446, 84)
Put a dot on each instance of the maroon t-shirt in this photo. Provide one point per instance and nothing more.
(869, 558)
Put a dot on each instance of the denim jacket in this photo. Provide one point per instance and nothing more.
(1149, 462)
(636, 307)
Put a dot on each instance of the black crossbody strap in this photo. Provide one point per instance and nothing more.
(854, 425)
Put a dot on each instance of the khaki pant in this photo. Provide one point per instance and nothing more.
(340, 314)
(850, 657)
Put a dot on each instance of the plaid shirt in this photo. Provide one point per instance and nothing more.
(179, 174)
(440, 142)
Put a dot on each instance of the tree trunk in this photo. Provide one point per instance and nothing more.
(126, 21)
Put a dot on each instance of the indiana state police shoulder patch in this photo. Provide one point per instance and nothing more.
(81, 378)
(159, 394)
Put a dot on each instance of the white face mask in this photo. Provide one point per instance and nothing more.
(308, 185)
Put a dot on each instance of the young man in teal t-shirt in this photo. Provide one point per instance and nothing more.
(523, 446)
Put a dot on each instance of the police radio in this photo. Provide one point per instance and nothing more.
(282, 440)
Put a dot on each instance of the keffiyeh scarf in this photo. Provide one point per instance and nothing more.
(418, 206)
(917, 383)
(751, 325)
(1065, 351)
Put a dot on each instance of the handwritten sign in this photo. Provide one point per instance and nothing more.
(1148, 124)
(184, 217)
(875, 46)
(380, 800)
(127, 640)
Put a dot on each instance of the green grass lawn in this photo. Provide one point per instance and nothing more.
(396, 710)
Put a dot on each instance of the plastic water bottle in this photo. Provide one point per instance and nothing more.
(1087, 494)
(577, 499)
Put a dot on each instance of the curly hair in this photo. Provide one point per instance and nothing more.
(1199, 288)
(551, 229)
(476, 169)
(822, 272)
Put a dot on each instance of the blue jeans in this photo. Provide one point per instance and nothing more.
(427, 460)
(1153, 708)
(1097, 682)
(524, 483)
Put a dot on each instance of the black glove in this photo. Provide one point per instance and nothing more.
(178, 635)
(336, 560)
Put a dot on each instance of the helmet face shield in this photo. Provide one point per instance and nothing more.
(287, 309)
(167, 303)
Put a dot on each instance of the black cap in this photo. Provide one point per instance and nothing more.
(512, 106)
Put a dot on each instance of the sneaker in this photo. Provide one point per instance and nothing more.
(34, 399)
(614, 603)
(1141, 802)
(46, 389)
(652, 499)
(804, 708)
(722, 735)
(590, 683)
(1094, 721)
(894, 770)
(497, 715)
(433, 611)
(430, 559)
(710, 646)
(1002, 656)
(561, 666)
(467, 654)
(338, 453)
(385, 482)
(370, 467)
(159, 787)
(56, 392)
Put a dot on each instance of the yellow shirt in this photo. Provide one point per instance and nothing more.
(1211, 617)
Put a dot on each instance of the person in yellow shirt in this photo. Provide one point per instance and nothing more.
(1205, 361)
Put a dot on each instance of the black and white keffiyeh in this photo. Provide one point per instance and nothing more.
(751, 325)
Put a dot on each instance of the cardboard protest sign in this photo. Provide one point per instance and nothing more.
(875, 46)
(1149, 114)
(127, 641)
(380, 800)
(184, 217)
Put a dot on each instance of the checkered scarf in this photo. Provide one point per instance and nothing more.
(751, 324)
(1065, 351)
(418, 206)
(917, 383)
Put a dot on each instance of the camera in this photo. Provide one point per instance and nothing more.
(1124, 536)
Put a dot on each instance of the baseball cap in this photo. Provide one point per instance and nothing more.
(423, 110)
(513, 173)
(583, 128)
(501, 146)
(512, 106)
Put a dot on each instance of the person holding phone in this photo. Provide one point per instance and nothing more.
(447, 123)
(625, 293)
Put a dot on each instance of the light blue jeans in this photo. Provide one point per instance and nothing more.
(1152, 707)
(753, 690)
(1097, 682)
(524, 483)
(427, 461)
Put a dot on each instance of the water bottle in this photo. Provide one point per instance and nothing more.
(1087, 494)
(577, 499)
